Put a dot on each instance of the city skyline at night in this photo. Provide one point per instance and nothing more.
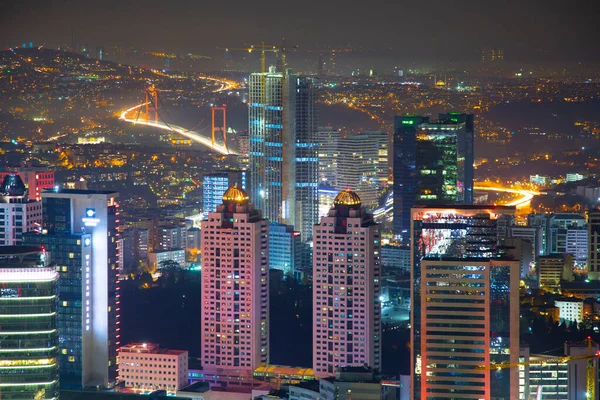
(310, 200)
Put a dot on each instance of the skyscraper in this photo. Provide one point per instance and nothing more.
(80, 231)
(235, 286)
(18, 214)
(433, 164)
(29, 339)
(362, 165)
(458, 232)
(346, 288)
(283, 148)
(470, 307)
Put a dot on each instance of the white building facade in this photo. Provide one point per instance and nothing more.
(147, 366)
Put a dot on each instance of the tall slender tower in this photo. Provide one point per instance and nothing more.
(346, 288)
(81, 233)
(235, 286)
(283, 148)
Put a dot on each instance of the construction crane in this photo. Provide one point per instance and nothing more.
(590, 370)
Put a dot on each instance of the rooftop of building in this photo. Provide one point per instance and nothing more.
(569, 299)
(347, 198)
(236, 194)
(149, 348)
(159, 251)
(284, 370)
(79, 191)
(468, 259)
(464, 207)
(19, 250)
(308, 385)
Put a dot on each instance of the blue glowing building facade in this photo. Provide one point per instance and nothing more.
(283, 148)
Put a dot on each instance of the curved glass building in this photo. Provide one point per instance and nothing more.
(28, 317)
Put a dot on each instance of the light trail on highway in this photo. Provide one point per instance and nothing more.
(177, 129)
(526, 195)
(525, 199)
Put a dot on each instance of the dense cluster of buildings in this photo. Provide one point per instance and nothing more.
(468, 269)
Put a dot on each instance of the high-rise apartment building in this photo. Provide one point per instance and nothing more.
(18, 214)
(284, 148)
(81, 232)
(593, 225)
(235, 286)
(346, 288)
(470, 312)
(214, 185)
(433, 164)
(362, 165)
(459, 232)
(29, 337)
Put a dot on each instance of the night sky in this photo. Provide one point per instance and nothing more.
(456, 30)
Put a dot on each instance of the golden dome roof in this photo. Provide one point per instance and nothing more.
(236, 194)
(347, 198)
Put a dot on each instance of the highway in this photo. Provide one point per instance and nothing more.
(526, 195)
(177, 129)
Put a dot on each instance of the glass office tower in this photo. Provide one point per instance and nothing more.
(69, 253)
(283, 145)
(81, 230)
(28, 334)
(433, 164)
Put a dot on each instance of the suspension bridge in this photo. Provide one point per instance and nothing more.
(152, 102)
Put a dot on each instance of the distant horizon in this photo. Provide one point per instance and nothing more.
(444, 31)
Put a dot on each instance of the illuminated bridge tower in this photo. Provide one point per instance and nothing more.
(235, 287)
(346, 288)
(283, 148)
(28, 318)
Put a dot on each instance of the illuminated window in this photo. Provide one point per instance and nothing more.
(71, 255)
(64, 303)
(64, 269)
(64, 351)
(71, 358)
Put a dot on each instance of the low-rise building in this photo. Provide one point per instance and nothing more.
(157, 258)
(351, 383)
(147, 366)
(570, 309)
